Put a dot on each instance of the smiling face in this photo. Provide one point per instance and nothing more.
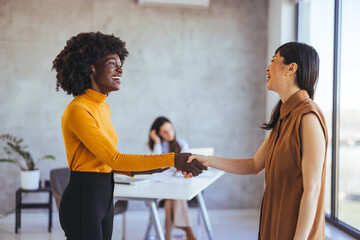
(107, 74)
(275, 73)
(167, 132)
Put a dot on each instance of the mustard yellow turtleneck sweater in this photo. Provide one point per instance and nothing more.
(90, 139)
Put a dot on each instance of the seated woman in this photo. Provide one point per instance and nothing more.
(162, 139)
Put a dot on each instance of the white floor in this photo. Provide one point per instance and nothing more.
(226, 224)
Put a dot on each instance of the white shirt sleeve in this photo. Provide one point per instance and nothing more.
(157, 149)
(184, 145)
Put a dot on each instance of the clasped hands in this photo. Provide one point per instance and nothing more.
(190, 169)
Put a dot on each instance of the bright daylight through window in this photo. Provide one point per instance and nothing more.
(316, 27)
(349, 152)
(319, 33)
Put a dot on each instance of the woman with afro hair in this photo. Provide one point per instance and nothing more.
(89, 68)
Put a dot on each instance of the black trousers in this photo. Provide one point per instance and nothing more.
(86, 208)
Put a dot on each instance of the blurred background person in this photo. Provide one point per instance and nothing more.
(162, 139)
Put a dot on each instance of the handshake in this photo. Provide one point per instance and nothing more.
(194, 168)
(190, 169)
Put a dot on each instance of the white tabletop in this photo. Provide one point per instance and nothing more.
(167, 186)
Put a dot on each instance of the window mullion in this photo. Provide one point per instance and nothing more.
(336, 111)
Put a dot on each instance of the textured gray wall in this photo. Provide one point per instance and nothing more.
(203, 68)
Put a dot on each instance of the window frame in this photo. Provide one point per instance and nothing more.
(332, 218)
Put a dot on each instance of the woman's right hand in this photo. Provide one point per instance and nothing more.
(193, 169)
(200, 158)
(155, 137)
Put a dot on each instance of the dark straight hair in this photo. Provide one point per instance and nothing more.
(173, 145)
(307, 59)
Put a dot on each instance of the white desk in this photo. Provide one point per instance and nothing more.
(168, 186)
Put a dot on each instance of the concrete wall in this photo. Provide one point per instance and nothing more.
(203, 68)
(281, 29)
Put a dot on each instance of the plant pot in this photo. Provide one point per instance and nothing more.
(30, 179)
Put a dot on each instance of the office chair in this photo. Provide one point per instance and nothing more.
(120, 207)
(59, 179)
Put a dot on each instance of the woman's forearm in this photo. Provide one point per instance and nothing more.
(157, 149)
(241, 166)
(307, 213)
(244, 166)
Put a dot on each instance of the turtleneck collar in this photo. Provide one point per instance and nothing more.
(291, 103)
(94, 96)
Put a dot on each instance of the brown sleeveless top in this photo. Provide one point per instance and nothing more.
(283, 173)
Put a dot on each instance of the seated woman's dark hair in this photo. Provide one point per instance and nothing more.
(174, 146)
(307, 59)
(73, 63)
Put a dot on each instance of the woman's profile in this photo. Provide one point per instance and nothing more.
(294, 153)
(90, 67)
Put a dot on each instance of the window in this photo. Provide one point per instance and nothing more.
(349, 125)
(314, 16)
(331, 27)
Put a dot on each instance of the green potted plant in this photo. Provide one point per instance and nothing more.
(18, 154)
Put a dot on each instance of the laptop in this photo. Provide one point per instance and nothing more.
(121, 179)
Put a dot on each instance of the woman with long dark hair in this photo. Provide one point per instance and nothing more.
(163, 139)
(294, 153)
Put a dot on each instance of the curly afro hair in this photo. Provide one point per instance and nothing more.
(73, 63)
